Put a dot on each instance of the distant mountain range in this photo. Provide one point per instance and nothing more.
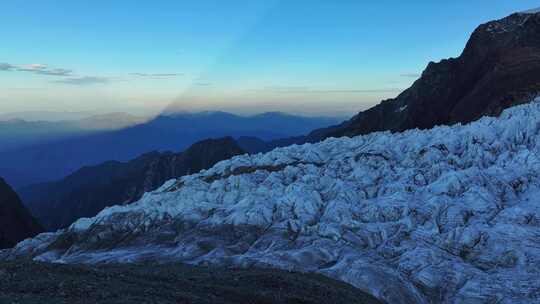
(52, 116)
(18, 133)
(63, 148)
(16, 223)
(90, 189)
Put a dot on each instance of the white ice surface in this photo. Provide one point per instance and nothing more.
(447, 215)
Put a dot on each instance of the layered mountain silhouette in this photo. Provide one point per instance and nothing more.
(56, 159)
(90, 189)
(18, 132)
(16, 223)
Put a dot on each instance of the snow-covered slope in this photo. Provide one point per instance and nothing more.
(448, 215)
(532, 11)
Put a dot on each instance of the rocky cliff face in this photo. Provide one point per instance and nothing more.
(16, 223)
(89, 190)
(499, 67)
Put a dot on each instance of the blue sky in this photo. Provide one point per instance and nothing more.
(312, 57)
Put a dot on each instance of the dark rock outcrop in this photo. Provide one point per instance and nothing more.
(16, 223)
(499, 67)
(90, 189)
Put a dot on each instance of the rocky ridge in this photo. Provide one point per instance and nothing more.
(499, 68)
(90, 189)
(16, 223)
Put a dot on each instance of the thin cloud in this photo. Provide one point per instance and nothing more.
(56, 72)
(308, 90)
(26, 89)
(202, 84)
(157, 75)
(411, 75)
(85, 80)
(36, 68)
(387, 90)
(6, 67)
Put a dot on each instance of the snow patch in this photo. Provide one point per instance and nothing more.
(531, 11)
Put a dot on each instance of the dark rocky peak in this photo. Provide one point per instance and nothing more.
(213, 146)
(499, 67)
(16, 223)
(518, 30)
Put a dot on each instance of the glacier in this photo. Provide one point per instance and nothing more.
(446, 215)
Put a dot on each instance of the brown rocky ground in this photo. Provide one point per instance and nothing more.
(23, 282)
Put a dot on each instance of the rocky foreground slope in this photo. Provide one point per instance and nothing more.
(29, 282)
(16, 223)
(447, 215)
